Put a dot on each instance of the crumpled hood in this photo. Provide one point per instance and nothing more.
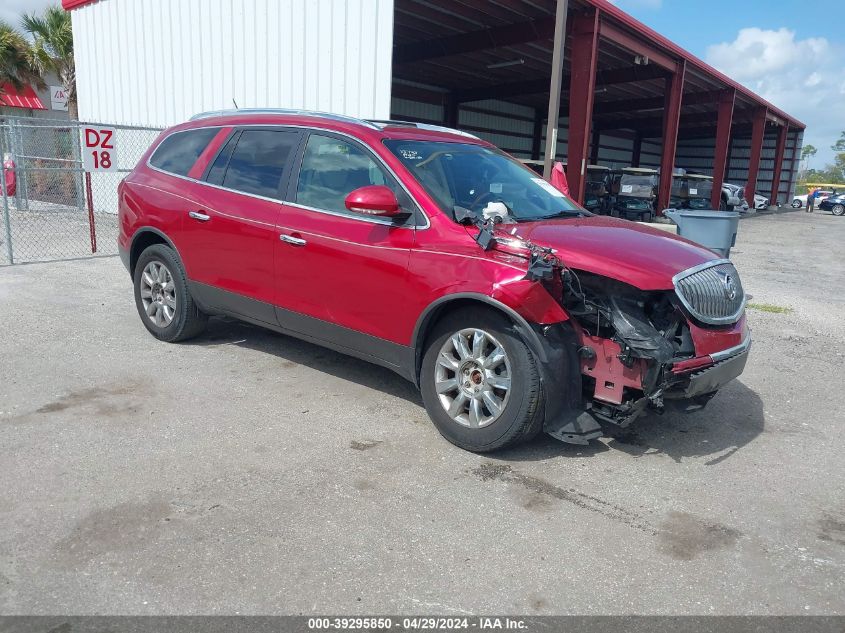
(639, 255)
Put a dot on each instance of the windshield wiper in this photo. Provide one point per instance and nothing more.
(567, 212)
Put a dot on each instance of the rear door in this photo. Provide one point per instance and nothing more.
(231, 231)
(342, 276)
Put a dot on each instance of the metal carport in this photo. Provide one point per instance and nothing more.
(627, 94)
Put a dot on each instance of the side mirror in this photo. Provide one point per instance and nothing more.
(373, 200)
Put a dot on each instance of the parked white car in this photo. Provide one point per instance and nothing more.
(733, 197)
(799, 202)
(761, 202)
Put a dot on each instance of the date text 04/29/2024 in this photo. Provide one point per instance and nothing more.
(416, 623)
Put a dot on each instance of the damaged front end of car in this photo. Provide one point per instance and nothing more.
(624, 350)
(638, 348)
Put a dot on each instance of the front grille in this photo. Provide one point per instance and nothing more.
(712, 293)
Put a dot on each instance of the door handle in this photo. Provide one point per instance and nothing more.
(290, 239)
(199, 215)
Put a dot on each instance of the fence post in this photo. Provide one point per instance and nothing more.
(79, 176)
(7, 225)
(14, 148)
(91, 226)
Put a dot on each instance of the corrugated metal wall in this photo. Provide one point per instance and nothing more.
(135, 65)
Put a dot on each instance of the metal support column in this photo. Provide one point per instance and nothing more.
(555, 87)
(758, 131)
(779, 154)
(671, 120)
(537, 136)
(637, 151)
(723, 142)
(582, 86)
(450, 110)
(595, 140)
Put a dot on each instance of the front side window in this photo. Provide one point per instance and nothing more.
(179, 151)
(478, 178)
(255, 163)
(332, 169)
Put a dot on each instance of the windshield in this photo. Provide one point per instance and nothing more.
(485, 181)
(700, 188)
(691, 188)
(639, 186)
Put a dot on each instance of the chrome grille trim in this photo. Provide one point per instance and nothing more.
(702, 291)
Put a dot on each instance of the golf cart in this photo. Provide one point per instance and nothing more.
(597, 189)
(634, 190)
(691, 191)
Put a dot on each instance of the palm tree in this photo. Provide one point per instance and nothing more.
(15, 68)
(52, 49)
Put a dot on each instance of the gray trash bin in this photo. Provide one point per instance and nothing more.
(715, 230)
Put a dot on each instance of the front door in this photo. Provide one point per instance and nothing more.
(341, 276)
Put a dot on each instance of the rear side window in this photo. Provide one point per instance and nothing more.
(179, 151)
(255, 162)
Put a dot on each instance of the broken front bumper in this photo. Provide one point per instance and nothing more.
(685, 385)
(727, 365)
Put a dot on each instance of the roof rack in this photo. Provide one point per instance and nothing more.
(288, 111)
(382, 123)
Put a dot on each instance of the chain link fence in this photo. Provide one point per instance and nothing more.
(52, 209)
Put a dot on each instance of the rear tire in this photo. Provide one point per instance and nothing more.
(838, 209)
(796, 204)
(162, 298)
(462, 390)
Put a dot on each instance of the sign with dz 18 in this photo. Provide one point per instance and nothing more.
(98, 149)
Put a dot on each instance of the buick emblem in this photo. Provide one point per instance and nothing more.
(730, 287)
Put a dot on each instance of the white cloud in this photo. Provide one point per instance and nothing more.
(805, 78)
(813, 80)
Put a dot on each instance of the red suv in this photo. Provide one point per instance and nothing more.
(433, 253)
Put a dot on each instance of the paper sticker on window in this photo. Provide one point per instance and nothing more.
(548, 187)
(692, 192)
(410, 154)
(333, 148)
(495, 187)
(627, 188)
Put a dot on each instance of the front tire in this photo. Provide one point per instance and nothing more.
(480, 383)
(838, 209)
(165, 305)
(796, 204)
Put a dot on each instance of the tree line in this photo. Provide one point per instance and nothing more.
(832, 172)
(43, 44)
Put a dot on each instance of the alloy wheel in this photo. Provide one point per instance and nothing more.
(473, 378)
(838, 209)
(158, 294)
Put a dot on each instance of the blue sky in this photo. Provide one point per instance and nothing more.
(790, 52)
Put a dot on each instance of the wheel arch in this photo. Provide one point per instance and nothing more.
(144, 238)
(444, 305)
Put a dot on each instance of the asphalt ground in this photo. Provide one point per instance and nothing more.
(249, 472)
